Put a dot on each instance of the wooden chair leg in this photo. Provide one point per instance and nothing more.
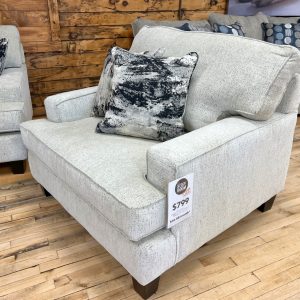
(17, 167)
(145, 291)
(267, 205)
(47, 194)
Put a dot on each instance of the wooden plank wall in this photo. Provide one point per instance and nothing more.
(66, 41)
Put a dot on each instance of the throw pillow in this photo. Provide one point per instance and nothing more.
(282, 34)
(104, 86)
(3, 50)
(251, 24)
(148, 95)
(235, 29)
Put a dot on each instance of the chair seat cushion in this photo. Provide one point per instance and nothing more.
(11, 116)
(11, 85)
(108, 171)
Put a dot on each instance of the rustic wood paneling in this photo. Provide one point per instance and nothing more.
(66, 41)
(54, 20)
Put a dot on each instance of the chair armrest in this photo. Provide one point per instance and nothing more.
(238, 164)
(70, 106)
(165, 161)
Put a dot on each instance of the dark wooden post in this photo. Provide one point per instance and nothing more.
(267, 205)
(145, 291)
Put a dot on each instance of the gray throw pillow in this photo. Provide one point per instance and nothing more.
(282, 34)
(104, 87)
(201, 25)
(3, 50)
(251, 25)
(235, 29)
(148, 95)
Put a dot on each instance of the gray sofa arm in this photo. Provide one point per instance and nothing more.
(178, 157)
(70, 106)
(238, 164)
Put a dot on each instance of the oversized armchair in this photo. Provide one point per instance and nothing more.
(15, 102)
(239, 158)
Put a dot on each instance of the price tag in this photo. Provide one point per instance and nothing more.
(180, 198)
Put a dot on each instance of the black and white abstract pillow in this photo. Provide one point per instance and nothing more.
(282, 34)
(148, 95)
(104, 87)
(235, 29)
(3, 50)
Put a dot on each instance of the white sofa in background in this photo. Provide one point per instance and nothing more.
(15, 101)
(241, 114)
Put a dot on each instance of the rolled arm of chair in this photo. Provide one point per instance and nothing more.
(70, 106)
(238, 164)
(166, 161)
(182, 155)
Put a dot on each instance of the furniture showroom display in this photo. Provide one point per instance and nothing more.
(15, 101)
(238, 149)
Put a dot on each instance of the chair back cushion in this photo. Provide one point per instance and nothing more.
(234, 75)
(14, 57)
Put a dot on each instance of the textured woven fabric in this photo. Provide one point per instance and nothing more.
(291, 100)
(3, 50)
(148, 95)
(259, 73)
(13, 85)
(70, 106)
(90, 164)
(14, 55)
(11, 116)
(15, 101)
(12, 147)
(224, 191)
(144, 260)
(238, 164)
(251, 25)
(139, 23)
(284, 20)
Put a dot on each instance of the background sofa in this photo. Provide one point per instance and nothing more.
(239, 159)
(15, 101)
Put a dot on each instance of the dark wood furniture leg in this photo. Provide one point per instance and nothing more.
(17, 167)
(47, 194)
(145, 291)
(267, 205)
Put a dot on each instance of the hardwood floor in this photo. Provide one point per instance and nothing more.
(46, 254)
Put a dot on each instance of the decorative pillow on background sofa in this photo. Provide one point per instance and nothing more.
(149, 95)
(193, 27)
(3, 50)
(235, 29)
(251, 25)
(257, 83)
(201, 25)
(282, 34)
(104, 87)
